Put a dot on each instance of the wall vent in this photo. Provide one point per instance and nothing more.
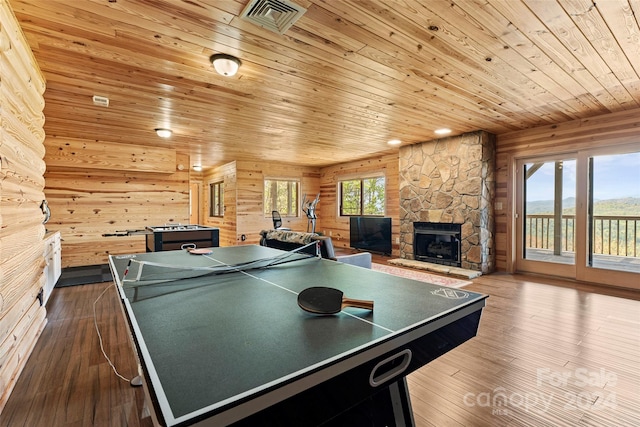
(274, 15)
(100, 101)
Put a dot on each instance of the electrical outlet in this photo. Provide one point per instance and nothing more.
(330, 233)
(397, 240)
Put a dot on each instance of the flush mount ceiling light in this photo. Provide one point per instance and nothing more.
(442, 131)
(394, 142)
(224, 64)
(197, 168)
(163, 133)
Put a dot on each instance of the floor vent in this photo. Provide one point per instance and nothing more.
(274, 15)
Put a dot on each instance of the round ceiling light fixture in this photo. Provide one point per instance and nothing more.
(163, 133)
(442, 131)
(225, 65)
(394, 142)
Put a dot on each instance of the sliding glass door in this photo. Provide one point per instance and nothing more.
(547, 213)
(614, 212)
(578, 215)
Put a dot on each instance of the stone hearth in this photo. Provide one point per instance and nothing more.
(451, 180)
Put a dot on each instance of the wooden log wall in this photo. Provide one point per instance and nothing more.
(613, 129)
(87, 203)
(243, 198)
(250, 205)
(22, 85)
(228, 223)
(74, 153)
(330, 223)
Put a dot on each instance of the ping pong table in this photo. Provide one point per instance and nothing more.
(236, 349)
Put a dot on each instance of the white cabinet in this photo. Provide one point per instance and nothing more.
(53, 263)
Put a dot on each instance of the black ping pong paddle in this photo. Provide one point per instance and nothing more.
(323, 300)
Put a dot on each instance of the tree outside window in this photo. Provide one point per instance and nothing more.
(281, 196)
(364, 196)
(216, 199)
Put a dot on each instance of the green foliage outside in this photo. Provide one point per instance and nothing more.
(362, 196)
(281, 196)
(616, 226)
(626, 206)
(350, 194)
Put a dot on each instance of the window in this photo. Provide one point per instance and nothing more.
(364, 196)
(216, 198)
(281, 196)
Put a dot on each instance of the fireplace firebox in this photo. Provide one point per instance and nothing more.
(438, 243)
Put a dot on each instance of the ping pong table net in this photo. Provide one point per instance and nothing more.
(142, 272)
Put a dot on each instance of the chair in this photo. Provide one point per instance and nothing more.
(277, 221)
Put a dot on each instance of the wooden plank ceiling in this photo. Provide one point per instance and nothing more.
(348, 76)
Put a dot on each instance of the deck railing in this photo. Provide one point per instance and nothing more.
(612, 234)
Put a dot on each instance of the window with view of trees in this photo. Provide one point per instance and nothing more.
(364, 196)
(216, 199)
(281, 196)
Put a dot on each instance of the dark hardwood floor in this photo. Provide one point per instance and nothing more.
(67, 381)
(548, 353)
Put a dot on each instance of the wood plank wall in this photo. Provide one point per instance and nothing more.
(250, 205)
(615, 129)
(243, 198)
(247, 202)
(74, 153)
(89, 202)
(22, 85)
(329, 221)
(243, 184)
(228, 223)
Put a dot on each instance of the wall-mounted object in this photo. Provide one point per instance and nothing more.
(44, 206)
(100, 101)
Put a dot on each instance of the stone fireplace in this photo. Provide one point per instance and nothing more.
(450, 181)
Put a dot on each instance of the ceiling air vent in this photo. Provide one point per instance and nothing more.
(273, 15)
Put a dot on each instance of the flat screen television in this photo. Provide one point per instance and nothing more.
(370, 233)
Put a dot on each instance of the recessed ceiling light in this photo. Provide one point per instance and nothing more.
(394, 142)
(442, 131)
(164, 133)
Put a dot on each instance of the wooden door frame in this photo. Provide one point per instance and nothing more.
(520, 263)
(195, 215)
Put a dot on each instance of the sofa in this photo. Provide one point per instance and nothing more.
(290, 240)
